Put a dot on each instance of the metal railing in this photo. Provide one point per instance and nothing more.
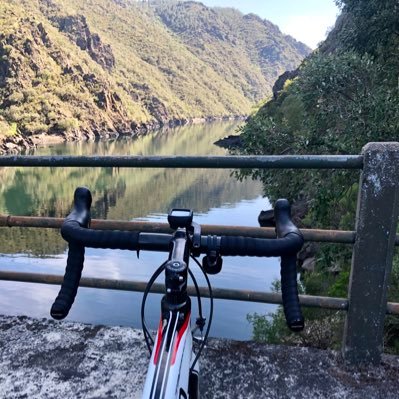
(374, 238)
(212, 162)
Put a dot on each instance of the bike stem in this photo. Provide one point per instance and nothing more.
(176, 274)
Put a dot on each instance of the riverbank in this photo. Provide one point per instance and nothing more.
(46, 359)
(17, 143)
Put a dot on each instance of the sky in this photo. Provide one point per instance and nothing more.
(305, 20)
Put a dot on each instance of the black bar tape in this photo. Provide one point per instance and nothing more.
(70, 284)
(247, 246)
(80, 216)
(289, 289)
(73, 233)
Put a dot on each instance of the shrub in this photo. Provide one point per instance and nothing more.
(67, 124)
(16, 97)
(13, 130)
(14, 113)
(35, 128)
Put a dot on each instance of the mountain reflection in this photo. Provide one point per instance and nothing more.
(118, 193)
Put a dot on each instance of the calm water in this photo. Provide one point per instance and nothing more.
(215, 196)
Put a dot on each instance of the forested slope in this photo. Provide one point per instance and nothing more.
(91, 68)
(343, 96)
(247, 51)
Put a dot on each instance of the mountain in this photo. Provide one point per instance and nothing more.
(249, 52)
(73, 69)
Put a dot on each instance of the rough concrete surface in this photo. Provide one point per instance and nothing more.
(46, 359)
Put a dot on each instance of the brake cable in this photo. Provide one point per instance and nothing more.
(200, 322)
(210, 316)
(147, 335)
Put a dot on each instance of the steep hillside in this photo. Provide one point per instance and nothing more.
(250, 53)
(341, 97)
(48, 84)
(77, 69)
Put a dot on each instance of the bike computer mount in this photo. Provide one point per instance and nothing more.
(180, 218)
(183, 218)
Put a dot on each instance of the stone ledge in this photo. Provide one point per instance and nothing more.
(46, 359)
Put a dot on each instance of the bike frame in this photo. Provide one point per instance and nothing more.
(173, 369)
(169, 373)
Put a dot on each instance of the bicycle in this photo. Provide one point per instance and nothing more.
(173, 371)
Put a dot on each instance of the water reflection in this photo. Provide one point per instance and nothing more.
(214, 195)
(121, 194)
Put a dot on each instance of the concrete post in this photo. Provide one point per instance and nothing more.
(376, 223)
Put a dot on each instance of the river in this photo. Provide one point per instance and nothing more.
(127, 194)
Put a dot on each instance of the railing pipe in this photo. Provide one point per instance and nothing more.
(214, 162)
(312, 235)
(137, 286)
(332, 236)
(311, 301)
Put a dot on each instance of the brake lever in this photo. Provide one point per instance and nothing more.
(267, 219)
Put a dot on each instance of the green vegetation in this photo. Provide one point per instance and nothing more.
(88, 68)
(345, 95)
(7, 129)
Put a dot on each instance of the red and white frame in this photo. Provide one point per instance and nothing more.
(168, 375)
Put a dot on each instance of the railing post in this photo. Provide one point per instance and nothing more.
(376, 223)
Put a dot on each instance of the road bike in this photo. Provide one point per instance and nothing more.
(173, 372)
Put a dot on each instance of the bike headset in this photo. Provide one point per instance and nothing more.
(75, 230)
